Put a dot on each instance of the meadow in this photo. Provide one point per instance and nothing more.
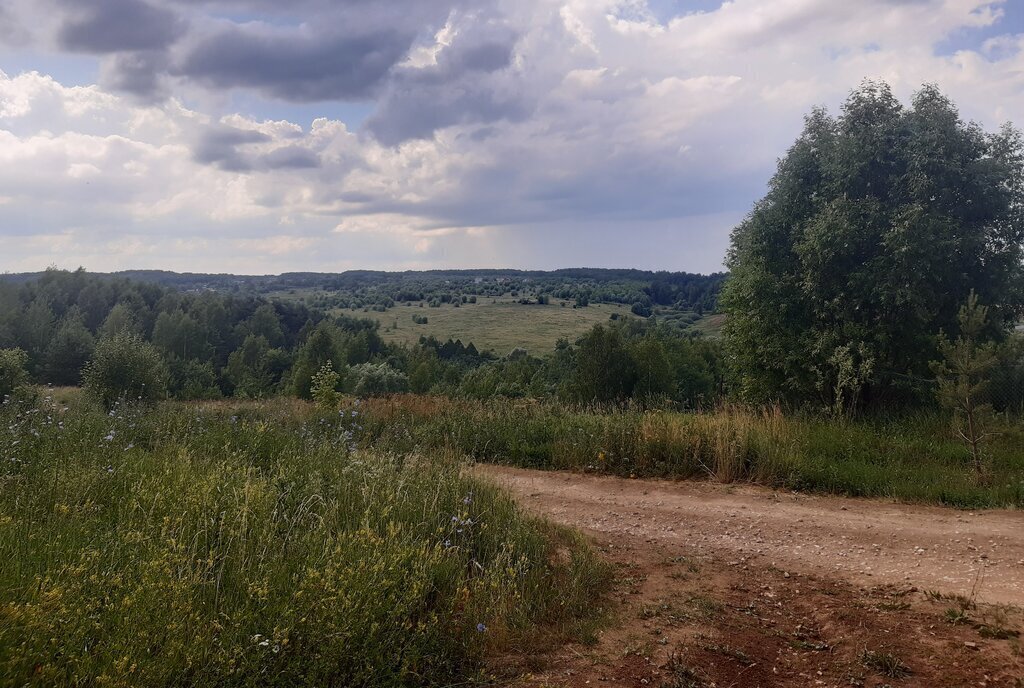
(500, 324)
(262, 544)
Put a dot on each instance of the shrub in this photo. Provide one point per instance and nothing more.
(376, 379)
(125, 366)
(324, 387)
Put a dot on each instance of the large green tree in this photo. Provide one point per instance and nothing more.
(876, 227)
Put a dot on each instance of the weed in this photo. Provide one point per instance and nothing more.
(705, 607)
(957, 616)
(680, 675)
(885, 663)
(893, 606)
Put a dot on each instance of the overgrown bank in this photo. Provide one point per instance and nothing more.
(259, 546)
(912, 458)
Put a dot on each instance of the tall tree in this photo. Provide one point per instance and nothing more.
(876, 227)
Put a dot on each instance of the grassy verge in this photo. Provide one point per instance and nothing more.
(914, 459)
(230, 545)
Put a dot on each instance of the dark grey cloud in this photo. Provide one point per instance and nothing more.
(470, 84)
(138, 73)
(221, 146)
(111, 26)
(308, 51)
(290, 158)
(227, 148)
(296, 65)
(12, 32)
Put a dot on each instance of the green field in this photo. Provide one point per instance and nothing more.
(258, 544)
(500, 325)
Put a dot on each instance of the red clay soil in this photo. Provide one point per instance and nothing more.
(741, 586)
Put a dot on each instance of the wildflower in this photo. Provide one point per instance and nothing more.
(480, 628)
(110, 436)
(468, 499)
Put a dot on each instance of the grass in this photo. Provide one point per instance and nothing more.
(885, 663)
(258, 545)
(500, 326)
(913, 459)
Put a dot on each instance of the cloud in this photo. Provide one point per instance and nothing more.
(301, 65)
(464, 77)
(526, 132)
(110, 26)
(221, 147)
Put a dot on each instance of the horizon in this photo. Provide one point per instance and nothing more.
(352, 270)
(246, 137)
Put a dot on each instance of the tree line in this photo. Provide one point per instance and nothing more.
(124, 338)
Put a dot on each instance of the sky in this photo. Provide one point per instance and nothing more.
(259, 136)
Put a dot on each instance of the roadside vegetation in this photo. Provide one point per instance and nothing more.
(914, 458)
(261, 545)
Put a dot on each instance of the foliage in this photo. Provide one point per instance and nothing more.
(875, 228)
(192, 379)
(13, 373)
(253, 546)
(963, 379)
(604, 371)
(70, 350)
(125, 367)
(254, 369)
(322, 347)
(377, 379)
(324, 387)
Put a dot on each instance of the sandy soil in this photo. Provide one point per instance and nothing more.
(742, 586)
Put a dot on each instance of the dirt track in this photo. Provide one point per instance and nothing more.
(864, 541)
(789, 575)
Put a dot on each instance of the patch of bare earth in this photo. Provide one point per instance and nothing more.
(739, 586)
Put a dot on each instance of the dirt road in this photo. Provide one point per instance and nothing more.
(846, 574)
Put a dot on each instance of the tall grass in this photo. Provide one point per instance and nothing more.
(913, 458)
(225, 545)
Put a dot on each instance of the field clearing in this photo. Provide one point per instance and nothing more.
(500, 326)
(711, 325)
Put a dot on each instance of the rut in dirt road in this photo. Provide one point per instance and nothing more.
(867, 542)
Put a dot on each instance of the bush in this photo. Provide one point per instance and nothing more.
(125, 367)
(376, 379)
(13, 373)
(324, 387)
